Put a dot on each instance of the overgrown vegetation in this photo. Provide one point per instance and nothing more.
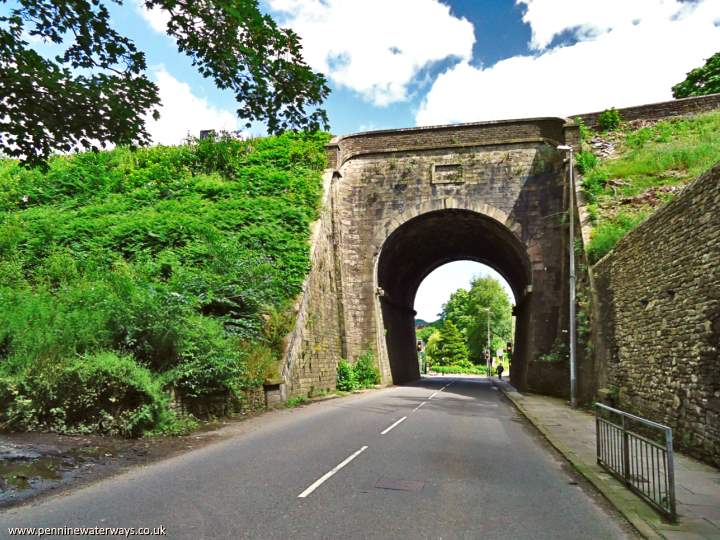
(609, 119)
(650, 164)
(296, 401)
(364, 374)
(132, 275)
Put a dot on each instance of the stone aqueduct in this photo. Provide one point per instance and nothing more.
(400, 203)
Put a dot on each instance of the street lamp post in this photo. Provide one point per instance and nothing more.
(571, 249)
(489, 351)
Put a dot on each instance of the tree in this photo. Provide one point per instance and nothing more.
(453, 351)
(433, 348)
(468, 310)
(700, 81)
(97, 91)
(458, 309)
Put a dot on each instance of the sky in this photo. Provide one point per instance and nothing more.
(401, 63)
(437, 287)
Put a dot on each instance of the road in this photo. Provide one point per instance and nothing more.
(443, 458)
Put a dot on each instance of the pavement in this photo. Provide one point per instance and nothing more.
(572, 432)
(443, 458)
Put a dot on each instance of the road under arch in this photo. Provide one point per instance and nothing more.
(428, 241)
(400, 203)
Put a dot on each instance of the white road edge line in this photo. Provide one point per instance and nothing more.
(317, 483)
(387, 429)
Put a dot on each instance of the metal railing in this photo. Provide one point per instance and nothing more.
(639, 453)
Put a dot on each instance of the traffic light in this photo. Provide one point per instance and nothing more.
(509, 347)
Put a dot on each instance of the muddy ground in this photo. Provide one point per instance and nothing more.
(34, 464)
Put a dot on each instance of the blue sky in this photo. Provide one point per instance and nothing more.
(399, 63)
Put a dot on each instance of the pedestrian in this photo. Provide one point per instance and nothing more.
(500, 369)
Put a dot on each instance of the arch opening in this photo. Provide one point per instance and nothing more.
(428, 241)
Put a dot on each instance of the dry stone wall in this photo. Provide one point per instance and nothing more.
(657, 318)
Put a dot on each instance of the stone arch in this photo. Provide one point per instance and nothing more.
(448, 203)
(455, 232)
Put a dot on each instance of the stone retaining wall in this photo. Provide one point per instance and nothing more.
(316, 344)
(657, 318)
(658, 111)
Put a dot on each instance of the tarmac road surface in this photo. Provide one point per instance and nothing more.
(443, 458)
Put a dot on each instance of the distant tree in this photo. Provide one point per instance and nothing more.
(453, 350)
(433, 347)
(425, 332)
(467, 310)
(97, 91)
(459, 310)
(700, 81)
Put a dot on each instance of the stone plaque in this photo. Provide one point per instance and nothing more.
(447, 173)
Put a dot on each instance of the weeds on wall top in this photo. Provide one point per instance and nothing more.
(609, 120)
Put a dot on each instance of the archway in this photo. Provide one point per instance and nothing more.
(428, 241)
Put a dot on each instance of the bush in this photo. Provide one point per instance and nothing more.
(462, 370)
(593, 184)
(184, 260)
(465, 363)
(212, 371)
(366, 371)
(346, 378)
(609, 119)
(586, 161)
(100, 392)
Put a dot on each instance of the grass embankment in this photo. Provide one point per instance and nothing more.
(128, 276)
(649, 166)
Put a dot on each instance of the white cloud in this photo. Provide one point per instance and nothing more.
(376, 47)
(184, 113)
(157, 18)
(549, 18)
(626, 62)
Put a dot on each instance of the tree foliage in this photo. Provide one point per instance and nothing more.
(433, 346)
(700, 81)
(424, 332)
(467, 310)
(97, 92)
(453, 350)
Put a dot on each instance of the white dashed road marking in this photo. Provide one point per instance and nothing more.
(387, 429)
(317, 483)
